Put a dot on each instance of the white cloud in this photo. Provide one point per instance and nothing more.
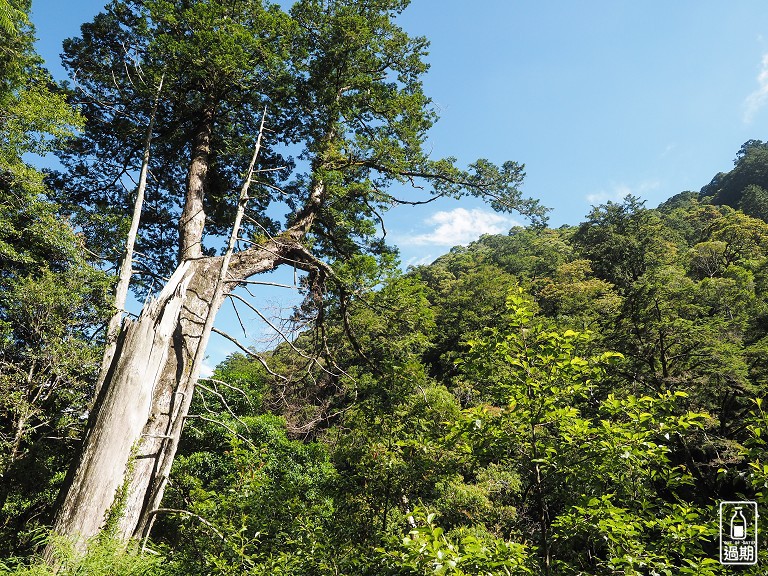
(619, 191)
(206, 371)
(419, 260)
(462, 226)
(759, 97)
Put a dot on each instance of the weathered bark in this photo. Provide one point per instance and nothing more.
(126, 266)
(129, 446)
(192, 219)
(171, 392)
(120, 414)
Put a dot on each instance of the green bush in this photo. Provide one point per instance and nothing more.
(104, 558)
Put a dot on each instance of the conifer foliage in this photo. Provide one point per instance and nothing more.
(549, 402)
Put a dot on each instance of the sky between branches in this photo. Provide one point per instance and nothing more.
(599, 99)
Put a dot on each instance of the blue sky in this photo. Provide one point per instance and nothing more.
(597, 98)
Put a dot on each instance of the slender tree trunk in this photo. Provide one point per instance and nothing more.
(544, 538)
(126, 266)
(662, 343)
(192, 219)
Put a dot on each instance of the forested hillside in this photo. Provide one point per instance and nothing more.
(571, 401)
(553, 401)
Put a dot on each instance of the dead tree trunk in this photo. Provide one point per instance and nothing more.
(113, 440)
(129, 447)
(126, 266)
(137, 418)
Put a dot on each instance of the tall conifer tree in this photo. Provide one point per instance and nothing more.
(342, 86)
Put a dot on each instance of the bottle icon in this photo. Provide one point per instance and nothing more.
(738, 525)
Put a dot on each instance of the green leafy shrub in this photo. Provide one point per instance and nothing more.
(106, 557)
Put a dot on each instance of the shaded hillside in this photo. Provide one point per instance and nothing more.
(746, 186)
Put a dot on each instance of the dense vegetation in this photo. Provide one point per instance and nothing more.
(552, 401)
(590, 394)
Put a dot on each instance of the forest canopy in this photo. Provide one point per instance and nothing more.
(551, 401)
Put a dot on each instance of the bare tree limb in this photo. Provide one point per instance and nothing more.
(312, 360)
(228, 428)
(202, 520)
(126, 267)
(240, 320)
(223, 403)
(230, 386)
(250, 353)
(260, 283)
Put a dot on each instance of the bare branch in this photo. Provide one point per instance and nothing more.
(260, 283)
(240, 320)
(223, 403)
(378, 217)
(312, 360)
(223, 425)
(231, 387)
(187, 513)
(273, 187)
(278, 168)
(250, 353)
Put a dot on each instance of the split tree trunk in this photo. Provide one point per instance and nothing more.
(119, 417)
(143, 385)
(128, 449)
(136, 421)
